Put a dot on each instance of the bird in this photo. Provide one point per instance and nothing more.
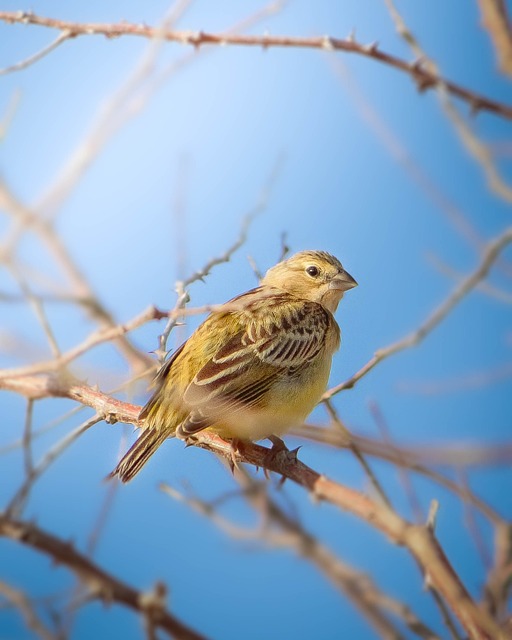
(255, 367)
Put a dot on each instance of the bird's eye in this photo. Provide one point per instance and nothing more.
(312, 271)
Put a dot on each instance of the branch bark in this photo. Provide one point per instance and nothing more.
(102, 585)
(423, 77)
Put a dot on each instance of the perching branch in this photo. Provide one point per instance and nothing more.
(420, 540)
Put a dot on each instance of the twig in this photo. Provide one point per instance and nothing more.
(424, 78)
(415, 459)
(182, 286)
(357, 587)
(27, 440)
(24, 64)
(402, 464)
(17, 502)
(419, 539)
(27, 219)
(8, 116)
(102, 585)
(352, 446)
(489, 255)
(19, 600)
(456, 454)
(485, 287)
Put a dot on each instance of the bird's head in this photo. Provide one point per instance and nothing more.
(312, 275)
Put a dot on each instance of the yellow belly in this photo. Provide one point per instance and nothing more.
(288, 404)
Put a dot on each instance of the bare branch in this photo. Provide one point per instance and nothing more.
(489, 255)
(19, 600)
(24, 64)
(424, 78)
(474, 146)
(419, 539)
(356, 586)
(416, 459)
(102, 585)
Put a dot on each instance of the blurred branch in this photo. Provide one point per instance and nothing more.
(457, 454)
(472, 380)
(181, 286)
(489, 256)
(419, 539)
(401, 154)
(10, 111)
(355, 585)
(495, 19)
(485, 287)
(416, 459)
(356, 451)
(26, 219)
(24, 64)
(473, 145)
(423, 77)
(101, 585)
(19, 600)
(18, 500)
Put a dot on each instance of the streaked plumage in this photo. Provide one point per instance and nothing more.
(252, 370)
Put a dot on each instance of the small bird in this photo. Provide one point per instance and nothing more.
(253, 369)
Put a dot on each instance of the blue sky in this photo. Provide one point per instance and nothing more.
(211, 136)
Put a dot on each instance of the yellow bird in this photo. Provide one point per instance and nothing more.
(253, 369)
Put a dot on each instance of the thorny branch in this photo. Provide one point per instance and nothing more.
(279, 529)
(419, 539)
(424, 78)
(50, 379)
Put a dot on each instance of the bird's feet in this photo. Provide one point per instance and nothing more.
(236, 449)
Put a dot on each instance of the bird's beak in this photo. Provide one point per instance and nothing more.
(342, 282)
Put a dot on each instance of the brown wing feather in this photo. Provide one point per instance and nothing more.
(280, 335)
(159, 381)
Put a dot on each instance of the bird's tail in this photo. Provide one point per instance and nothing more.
(139, 453)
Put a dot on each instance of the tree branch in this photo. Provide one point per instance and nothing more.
(489, 255)
(102, 585)
(424, 78)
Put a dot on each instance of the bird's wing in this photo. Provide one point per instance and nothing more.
(159, 381)
(277, 338)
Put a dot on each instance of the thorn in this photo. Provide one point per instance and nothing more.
(196, 39)
(371, 48)
(352, 35)
(417, 65)
(475, 106)
(432, 515)
(327, 43)
(294, 453)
